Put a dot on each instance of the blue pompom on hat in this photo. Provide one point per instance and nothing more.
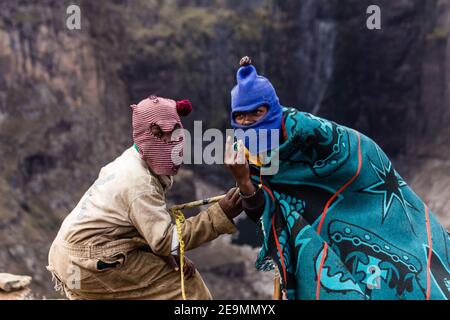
(251, 92)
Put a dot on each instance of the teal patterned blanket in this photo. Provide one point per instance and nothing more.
(341, 223)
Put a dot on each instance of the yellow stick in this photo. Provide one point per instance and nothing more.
(276, 288)
(198, 203)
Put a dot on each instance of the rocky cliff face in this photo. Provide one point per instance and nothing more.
(62, 115)
(391, 84)
(64, 94)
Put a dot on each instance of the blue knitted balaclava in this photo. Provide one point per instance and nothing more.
(251, 92)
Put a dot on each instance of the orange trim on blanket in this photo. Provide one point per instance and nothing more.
(283, 129)
(334, 196)
(280, 252)
(319, 273)
(277, 242)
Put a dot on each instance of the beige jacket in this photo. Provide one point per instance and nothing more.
(124, 215)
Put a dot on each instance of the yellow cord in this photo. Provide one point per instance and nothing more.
(179, 220)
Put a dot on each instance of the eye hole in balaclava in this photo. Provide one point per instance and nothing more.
(252, 117)
(157, 132)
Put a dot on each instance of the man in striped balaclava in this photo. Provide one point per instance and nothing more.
(120, 241)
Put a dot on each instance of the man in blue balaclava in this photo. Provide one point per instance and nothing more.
(338, 220)
(255, 92)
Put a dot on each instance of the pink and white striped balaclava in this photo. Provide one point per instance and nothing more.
(163, 158)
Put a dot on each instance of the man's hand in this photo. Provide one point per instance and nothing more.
(236, 161)
(174, 262)
(232, 203)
